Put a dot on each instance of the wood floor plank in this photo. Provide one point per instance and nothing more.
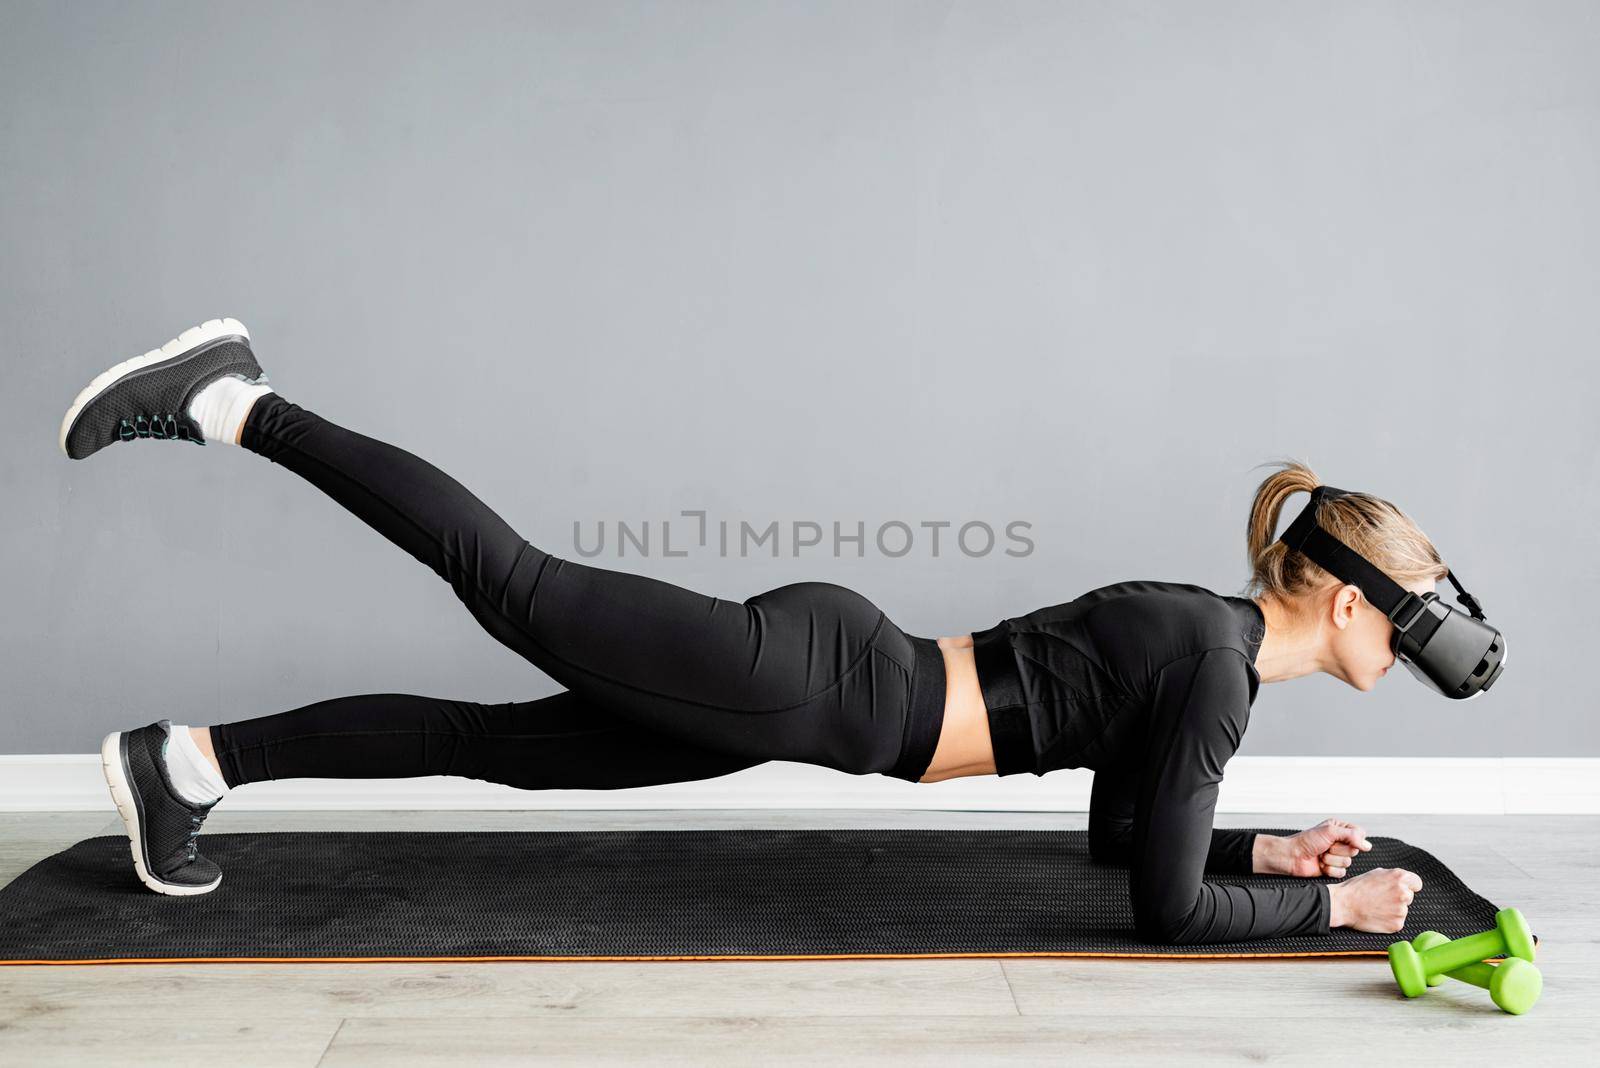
(1429, 1033)
(201, 1039)
(1244, 989)
(513, 989)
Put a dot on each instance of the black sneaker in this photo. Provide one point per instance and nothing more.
(148, 396)
(161, 825)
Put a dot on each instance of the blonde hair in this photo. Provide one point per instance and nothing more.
(1370, 525)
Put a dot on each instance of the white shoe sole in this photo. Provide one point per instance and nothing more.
(122, 794)
(210, 330)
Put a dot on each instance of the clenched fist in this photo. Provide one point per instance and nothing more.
(1325, 849)
(1374, 901)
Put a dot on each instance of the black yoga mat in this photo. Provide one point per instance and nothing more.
(639, 895)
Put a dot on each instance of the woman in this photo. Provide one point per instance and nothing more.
(1148, 683)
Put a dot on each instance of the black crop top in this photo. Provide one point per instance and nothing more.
(1150, 684)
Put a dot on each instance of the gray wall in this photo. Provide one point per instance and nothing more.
(1081, 265)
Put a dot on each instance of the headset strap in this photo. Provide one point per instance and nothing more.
(1304, 534)
(1345, 563)
(1465, 598)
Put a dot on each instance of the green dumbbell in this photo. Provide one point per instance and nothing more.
(1509, 937)
(1514, 986)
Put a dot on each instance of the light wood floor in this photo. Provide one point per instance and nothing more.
(957, 1011)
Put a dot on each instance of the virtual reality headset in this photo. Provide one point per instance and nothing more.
(1453, 653)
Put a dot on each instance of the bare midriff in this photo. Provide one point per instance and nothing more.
(964, 747)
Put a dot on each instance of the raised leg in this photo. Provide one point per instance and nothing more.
(798, 673)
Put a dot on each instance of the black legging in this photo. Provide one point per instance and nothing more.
(664, 684)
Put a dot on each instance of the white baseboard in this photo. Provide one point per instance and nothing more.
(1331, 785)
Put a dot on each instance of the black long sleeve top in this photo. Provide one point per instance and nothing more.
(1150, 684)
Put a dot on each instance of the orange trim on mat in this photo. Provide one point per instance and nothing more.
(800, 956)
(690, 957)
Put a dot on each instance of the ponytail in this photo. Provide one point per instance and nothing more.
(1370, 525)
